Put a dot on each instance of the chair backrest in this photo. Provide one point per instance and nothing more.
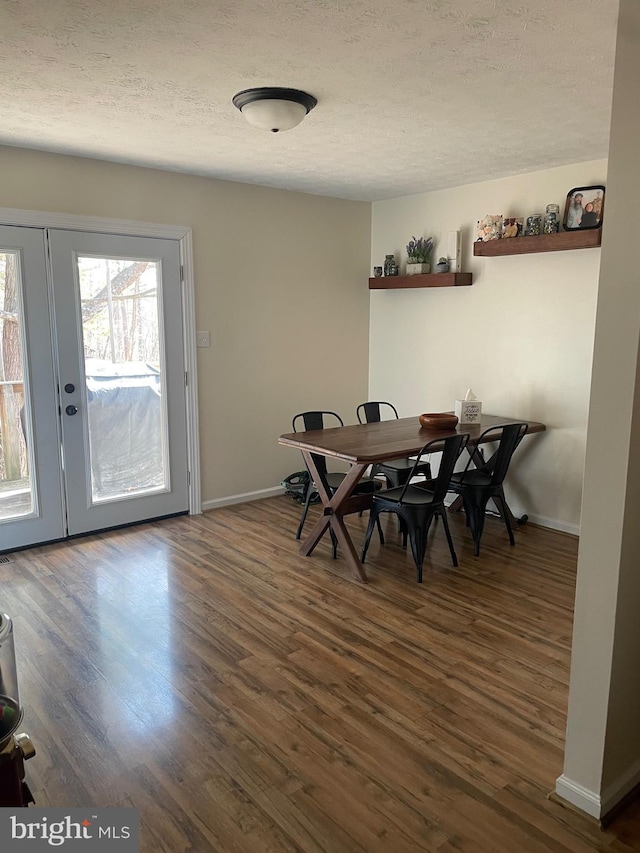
(374, 411)
(451, 449)
(509, 437)
(305, 421)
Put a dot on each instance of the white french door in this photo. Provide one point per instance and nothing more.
(31, 489)
(92, 400)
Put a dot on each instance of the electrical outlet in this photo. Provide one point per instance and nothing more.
(202, 339)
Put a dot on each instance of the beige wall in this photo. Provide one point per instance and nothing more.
(281, 284)
(521, 336)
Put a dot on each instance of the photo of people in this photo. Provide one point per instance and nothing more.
(584, 208)
(590, 216)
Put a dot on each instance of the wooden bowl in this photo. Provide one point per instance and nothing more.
(438, 420)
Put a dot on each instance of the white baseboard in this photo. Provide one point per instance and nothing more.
(599, 805)
(271, 492)
(554, 524)
(245, 497)
(579, 796)
(543, 521)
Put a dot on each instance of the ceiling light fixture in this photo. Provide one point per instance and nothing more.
(272, 108)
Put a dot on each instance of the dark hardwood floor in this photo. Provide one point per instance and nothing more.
(248, 699)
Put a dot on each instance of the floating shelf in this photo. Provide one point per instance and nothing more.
(559, 242)
(439, 279)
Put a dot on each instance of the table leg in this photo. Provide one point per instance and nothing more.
(332, 517)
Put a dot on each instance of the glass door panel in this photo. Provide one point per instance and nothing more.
(124, 376)
(16, 485)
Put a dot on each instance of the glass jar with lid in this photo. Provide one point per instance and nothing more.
(552, 219)
(533, 227)
(390, 265)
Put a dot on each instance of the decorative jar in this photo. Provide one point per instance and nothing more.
(552, 219)
(390, 264)
(533, 227)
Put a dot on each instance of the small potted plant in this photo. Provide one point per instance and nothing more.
(418, 255)
(442, 265)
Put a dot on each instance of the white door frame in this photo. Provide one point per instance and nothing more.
(131, 228)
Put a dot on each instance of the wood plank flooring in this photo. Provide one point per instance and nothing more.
(247, 699)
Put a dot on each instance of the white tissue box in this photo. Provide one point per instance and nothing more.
(468, 411)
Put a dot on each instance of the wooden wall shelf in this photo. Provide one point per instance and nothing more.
(543, 243)
(439, 279)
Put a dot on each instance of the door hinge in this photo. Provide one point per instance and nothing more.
(181, 273)
(188, 478)
(186, 378)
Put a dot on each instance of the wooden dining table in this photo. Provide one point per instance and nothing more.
(362, 445)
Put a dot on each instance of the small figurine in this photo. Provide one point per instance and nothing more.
(490, 228)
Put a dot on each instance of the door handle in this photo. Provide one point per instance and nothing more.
(71, 410)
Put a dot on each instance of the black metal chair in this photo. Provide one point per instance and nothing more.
(416, 505)
(331, 480)
(396, 472)
(479, 485)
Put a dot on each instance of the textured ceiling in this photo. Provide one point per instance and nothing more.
(413, 95)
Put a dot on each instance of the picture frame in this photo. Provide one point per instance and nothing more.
(584, 208)
(513, 226)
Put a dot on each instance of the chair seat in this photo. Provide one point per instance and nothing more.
(364, 486)
(401, 464)
(414, 496)
(472, 477)
(398, 471)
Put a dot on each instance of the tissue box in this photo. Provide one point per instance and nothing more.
(468, 411)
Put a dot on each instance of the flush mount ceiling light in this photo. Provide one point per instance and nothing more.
(272, 108)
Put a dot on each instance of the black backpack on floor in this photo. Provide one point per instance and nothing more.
(296, 485)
